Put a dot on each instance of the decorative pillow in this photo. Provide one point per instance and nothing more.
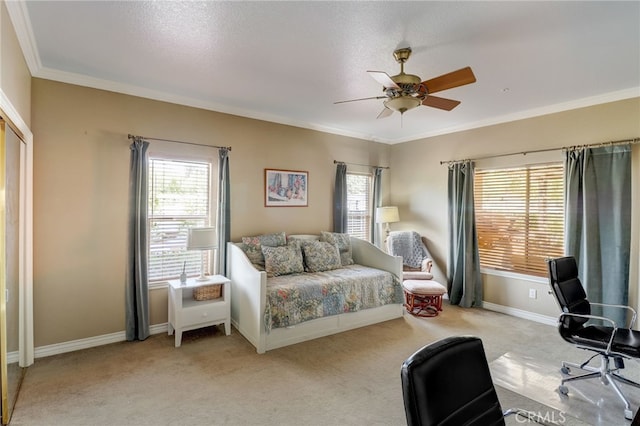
(303, 237)
(248, 250)
(252, 246)
(321, 256)
(283, 260)
(343, 241)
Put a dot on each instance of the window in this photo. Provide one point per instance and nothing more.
(179, 198)
(359, 205)
(520, 217)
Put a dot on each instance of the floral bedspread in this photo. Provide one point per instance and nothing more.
(295, 298)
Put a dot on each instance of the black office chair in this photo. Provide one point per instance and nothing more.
(449, 383)
(604, 337)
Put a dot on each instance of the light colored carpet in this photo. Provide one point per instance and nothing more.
(352, 378)
(588, 400)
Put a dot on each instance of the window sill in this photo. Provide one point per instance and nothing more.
(515, 275)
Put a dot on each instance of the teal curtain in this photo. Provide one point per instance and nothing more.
(376, 202)
(598, 222)
(340, 222)
(137, 284)
(224, 203)
(464, 281)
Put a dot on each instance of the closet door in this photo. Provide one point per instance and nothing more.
(12, 154)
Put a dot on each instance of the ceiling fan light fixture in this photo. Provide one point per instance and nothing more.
(402, 103)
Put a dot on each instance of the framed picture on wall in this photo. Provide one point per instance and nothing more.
(286, 188)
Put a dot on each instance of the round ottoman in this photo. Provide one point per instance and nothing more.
(423, 298)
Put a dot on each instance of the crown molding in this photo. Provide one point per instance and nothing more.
(619, 95)
(19, 16)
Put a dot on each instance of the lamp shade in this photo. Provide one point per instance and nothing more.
(201, 238)
(387, 214)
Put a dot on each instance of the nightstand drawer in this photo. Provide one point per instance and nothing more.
(196, 314)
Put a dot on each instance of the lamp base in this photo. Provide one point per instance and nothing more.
(385, 247)
(202, 277)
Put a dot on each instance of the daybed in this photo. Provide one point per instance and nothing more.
(267, 326)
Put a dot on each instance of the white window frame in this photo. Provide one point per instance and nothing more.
(189, 153)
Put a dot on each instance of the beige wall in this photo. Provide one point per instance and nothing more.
(81, 181)
(419, 182)
(81, 162)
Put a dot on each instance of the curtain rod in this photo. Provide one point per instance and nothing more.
(356, 164)
(186, 143)
(593, 145)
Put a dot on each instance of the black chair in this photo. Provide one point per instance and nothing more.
(449, 383)
(598, 334)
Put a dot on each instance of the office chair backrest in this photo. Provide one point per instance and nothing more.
(568, 290)
(448, 383)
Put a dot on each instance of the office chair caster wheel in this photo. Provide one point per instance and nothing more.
(565, 370)
(563, 390)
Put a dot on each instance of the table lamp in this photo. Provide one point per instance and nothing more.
(387, 215)
(202, 239)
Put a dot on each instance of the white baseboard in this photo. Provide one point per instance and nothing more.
(90, 342)
(514, 312)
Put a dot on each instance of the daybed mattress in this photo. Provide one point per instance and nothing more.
(295, 298)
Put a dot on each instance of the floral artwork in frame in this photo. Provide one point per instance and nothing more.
(286, 188)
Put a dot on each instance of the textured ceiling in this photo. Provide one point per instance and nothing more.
(288, 62)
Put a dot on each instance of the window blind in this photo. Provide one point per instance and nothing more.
(358, 205)
(178, 200)
(520, 217)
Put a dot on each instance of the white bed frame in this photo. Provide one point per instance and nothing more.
(248, 301)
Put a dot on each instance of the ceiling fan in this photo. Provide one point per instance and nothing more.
(403, 92)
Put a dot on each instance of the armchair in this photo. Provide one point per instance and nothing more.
(605, 338)
(423, 295)
(449, 383)
(416, 260)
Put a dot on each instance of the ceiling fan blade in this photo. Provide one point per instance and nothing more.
(441, 103)
(361, 99)
(385, 113)
(448, 81)
(384, 79)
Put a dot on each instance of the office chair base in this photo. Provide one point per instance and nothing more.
(607, 376)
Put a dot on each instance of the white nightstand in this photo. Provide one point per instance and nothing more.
(185, 313)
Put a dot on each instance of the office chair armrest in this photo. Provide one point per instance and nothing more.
(595, 317)
(628, 308)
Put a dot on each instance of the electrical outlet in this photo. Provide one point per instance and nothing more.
(533, 293)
